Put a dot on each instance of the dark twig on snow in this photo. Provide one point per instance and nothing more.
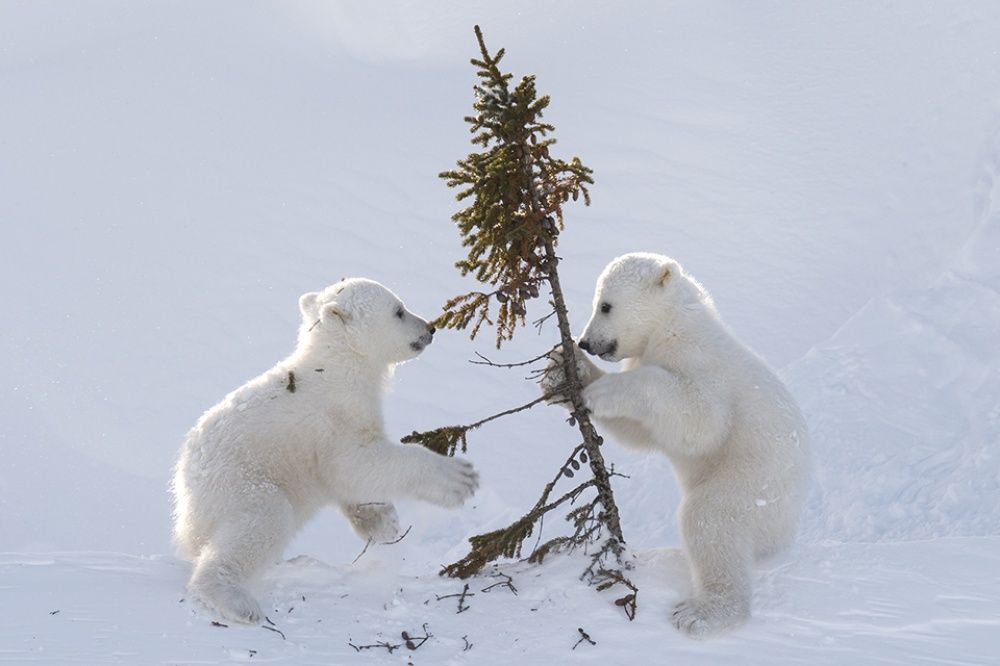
(509, 584)
(584, 636)
(219, 624)
(291, 382)
(414, 642)
(273, 628)
(468, 645)
(462, 596)
(381, 644)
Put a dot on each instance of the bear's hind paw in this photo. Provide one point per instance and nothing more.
(703, 618)
(236, 604)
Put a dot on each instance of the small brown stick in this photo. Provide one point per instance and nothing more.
(584, 636)
(461, 598)
(414, 642)
(381, 644)
(509, 583)
(273, 628)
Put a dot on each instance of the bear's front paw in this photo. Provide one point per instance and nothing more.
(602, 398)
(704, 617)
(455, 481)
(554, 377)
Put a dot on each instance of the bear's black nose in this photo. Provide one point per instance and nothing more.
(430, 328)
(584, 345)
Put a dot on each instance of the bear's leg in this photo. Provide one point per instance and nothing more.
(385, 471)
(720, 553)
(236, 551)
(375, 521)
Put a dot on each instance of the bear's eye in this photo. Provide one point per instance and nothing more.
(399, 313)
(605, 308)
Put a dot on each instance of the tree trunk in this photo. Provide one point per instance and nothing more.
(591, 440)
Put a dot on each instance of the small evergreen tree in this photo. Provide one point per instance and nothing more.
(511, 226)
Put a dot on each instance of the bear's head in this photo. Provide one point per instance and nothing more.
(365, 317)
(641, 298)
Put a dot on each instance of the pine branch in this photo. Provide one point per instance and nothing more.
(485, 361)
(447, 439)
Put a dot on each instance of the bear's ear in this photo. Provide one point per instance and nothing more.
(666, 271)
(334, 312)
(307, 305)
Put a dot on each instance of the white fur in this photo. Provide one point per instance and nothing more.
(690, 389)
(260, 463)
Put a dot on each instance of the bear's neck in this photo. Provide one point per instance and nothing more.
(339, 364)
(688, 345)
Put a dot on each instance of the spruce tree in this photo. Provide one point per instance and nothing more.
(516, 189)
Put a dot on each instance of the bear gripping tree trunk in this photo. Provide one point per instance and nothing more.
(573, 391)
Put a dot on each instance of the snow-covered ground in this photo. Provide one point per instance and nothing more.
(834, 603)
(173, 175)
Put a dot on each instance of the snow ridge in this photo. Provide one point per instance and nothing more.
(904, 402)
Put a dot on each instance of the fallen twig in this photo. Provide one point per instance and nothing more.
(509, 583)
(584, 636)
(461, 598)
(414, 642)
(381, 644)
(274, 628)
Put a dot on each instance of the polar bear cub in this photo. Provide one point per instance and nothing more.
(305, 434)
(688, 388)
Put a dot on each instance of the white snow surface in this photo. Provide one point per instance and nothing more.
(173, 175)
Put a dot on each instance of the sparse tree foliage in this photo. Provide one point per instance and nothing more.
(515, 189)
